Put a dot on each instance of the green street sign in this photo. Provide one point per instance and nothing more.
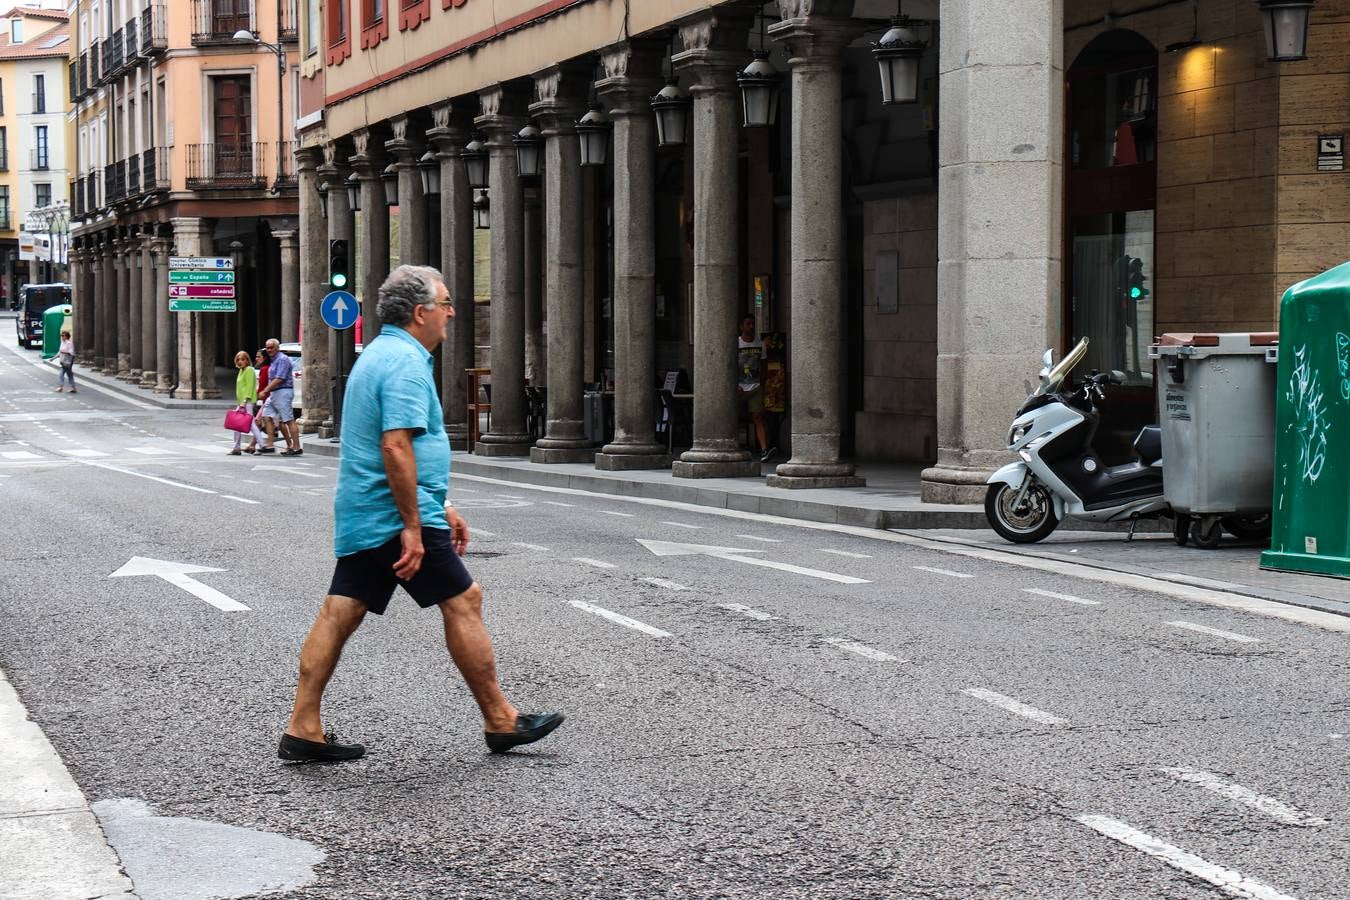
(190, 277)
(196, 304)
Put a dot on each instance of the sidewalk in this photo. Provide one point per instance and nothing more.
(891, 500)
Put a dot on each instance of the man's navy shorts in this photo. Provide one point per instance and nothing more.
(368, 575)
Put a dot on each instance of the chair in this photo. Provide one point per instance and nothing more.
(476, 382)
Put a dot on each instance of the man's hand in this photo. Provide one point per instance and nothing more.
(411, 561)
(459, 530)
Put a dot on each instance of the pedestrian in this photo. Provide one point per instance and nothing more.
(750, 385)
(259, 420)
(245, 398)
(393, 527)
(65, 355)
(279, 401)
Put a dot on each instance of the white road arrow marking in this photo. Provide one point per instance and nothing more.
(287, 469)
(670, 548)
(177, 573)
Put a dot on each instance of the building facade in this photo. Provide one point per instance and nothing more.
(1068, 169)
(184, 136)
(34, 45)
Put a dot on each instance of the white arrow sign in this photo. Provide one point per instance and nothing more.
(177, 573)
(340, 307)
(668, 548)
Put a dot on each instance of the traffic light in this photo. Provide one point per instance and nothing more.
(339, 265)
(1137, 291)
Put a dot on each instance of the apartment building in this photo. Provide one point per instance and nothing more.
(34, 45)
(184, 145)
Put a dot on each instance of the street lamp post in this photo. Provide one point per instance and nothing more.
(244, 36)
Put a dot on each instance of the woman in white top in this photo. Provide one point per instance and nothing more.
(66, 357)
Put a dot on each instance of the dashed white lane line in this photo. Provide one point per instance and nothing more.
(135, 474)
(748, 611)
(862, 650)
(948, 572)
(288, 470)
(1216, 632)
(526, 546)
(509, 496)
(846, 553)
(240, 499)
(598, 563)
(1229, 881)
(1278, 811)
(83, 453)
(751, 537)
(1069, 598)
(557, 503)
(619, 619)
(1014, 706)
(684, 525)
(610, 512)
(19, 454)
(150, 451)
(464, 490)
(668, 585)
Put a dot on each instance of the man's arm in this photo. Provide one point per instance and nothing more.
(400, 467)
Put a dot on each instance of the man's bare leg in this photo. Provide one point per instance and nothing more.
(337, 620)
(470, 647)
(270, 426)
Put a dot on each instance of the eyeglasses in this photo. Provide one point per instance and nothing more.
(444, 304)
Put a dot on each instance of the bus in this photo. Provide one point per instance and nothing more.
(34, 300)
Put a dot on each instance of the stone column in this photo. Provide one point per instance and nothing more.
(632, 76)
(999, 229)
(341, 344)
(290, 285)
(312, 272)
(412, 202)
(89, 279)
(120, 279)
(193, 237)
(149, 311)
(131, 260)
(369, 161)
(534, 288)
(816, 42)
(108, 300)
(80, 302)
(714, 50)
(166, 330)
(502, 116)
(449, 134)
(560, 95)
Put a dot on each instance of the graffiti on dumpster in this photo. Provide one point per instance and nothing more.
(1310, 414)
(1343, 363)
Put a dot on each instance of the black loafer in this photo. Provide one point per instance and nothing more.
(329, 750)
(528, 730)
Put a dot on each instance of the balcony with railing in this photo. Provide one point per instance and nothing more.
(155, 169)
(133, 42)
(285, 180)
(114, 54)
(73, 79)
(133, 167)
(4, 158)
(40, 160)
(39, 103)
(223, 166)
(154, 29)
(288, 20)
(216, 21)
(84, 73)
(77, 198)
(95, 58)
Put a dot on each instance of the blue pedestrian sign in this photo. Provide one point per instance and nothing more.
(339, 310)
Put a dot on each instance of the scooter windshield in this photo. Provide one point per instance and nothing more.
(1051, 380)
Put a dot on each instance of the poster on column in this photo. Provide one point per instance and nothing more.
(201, 284)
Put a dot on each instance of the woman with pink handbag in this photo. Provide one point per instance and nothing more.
(240, 419)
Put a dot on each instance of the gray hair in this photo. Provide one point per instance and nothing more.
(406, 288)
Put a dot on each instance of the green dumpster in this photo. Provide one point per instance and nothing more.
(54, 321)
(1310, 519)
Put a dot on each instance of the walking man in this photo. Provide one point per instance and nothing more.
(392, 525)
(279, 401)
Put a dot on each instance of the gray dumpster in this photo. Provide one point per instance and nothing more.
(1216, 402)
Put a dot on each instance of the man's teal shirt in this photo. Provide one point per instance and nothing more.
(391, 387)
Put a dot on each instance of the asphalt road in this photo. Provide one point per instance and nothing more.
(884, 719)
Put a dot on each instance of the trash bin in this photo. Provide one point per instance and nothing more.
(1311, 509)
(1216, 399)
(54, 321)
(597, 416)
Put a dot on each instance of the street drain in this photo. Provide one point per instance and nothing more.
(484, 554)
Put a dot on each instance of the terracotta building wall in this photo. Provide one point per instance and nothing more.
(1313, 231)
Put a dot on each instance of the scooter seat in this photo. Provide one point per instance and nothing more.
(1148, 445)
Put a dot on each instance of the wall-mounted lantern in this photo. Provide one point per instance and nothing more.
(354, 192)
(1286, 24)
(482, 209)
(429, 167)
(759, 91)
(528, 143)
(898, 54)
(593, 132)
(322, 189)
(475, 156)
(390, 178)
(671, 106)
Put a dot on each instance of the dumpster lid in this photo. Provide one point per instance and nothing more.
(1218, 342)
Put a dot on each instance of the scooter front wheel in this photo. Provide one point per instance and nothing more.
(1028, 523)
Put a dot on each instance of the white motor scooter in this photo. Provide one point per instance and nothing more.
(1057, 474)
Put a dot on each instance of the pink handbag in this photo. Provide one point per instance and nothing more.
(239, 420)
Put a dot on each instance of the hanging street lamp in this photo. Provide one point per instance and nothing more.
(429, 167)
(528, 141)
(390, 178)
(322, 188)
(354, 192)
(671, 106)
(593, 132)
(475, 156)
(1286, 24)
(482, 207)
(897, 55)
(759, 91)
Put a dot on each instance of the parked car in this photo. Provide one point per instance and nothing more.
(293, 351)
